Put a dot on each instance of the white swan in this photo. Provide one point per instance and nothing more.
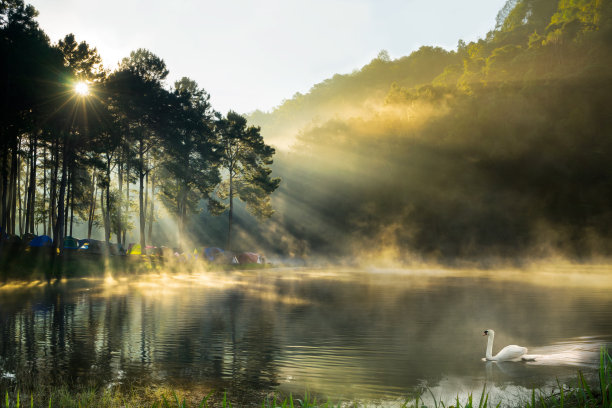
(508, 353)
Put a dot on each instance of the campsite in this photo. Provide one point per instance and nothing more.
(33, 257)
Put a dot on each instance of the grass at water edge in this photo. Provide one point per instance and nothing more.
(581, 395)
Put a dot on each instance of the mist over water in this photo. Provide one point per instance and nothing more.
(343, 334)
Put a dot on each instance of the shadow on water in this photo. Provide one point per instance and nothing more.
(341, 334)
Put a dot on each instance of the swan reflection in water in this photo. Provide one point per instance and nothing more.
(508, 368)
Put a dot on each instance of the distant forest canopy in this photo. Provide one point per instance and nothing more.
(498, 150)
(83, 145)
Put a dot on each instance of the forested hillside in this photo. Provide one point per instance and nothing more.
(353, 94)
(499, 149)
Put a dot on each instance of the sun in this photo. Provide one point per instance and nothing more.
(81, 88)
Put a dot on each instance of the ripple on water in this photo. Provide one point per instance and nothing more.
(369, 337)
(578, 352)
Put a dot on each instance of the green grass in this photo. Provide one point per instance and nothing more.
(580, 395)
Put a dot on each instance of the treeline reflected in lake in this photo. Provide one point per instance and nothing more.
(366, 335)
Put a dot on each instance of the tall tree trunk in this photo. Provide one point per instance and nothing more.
(26, 191)
(151, 212)
(183, 223)
(146, 203)
(119, 204)
(4, 198)
(22, 214)
(58, 237)
(179, 214)
(127, 200)
(9, 227)
(31, 187)
(13, 187)
(180, 228)
(141, 174)
(103, 210)
(44, 198)
(106, 207)
(53, 206)
(92, 205)
(67, 203)
(33, 169)
(107, 227)
(71, 209)
(231, 210)
(105, 214)
(13, 197)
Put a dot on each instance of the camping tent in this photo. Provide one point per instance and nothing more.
(248, 257)
(213, 253)
(27, 237)
(41, 241)
(95, 247)
(134, 249)
(71, 243)
(90, 246)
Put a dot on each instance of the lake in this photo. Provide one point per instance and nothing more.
(369, 335)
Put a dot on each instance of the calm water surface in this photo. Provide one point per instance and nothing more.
(368, 335)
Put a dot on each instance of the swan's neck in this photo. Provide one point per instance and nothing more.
(489, 354)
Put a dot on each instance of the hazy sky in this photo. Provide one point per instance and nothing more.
(253, 54)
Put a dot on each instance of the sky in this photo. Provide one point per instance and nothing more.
(254, 54)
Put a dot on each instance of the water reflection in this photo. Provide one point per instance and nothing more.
(97, 334)
(370, 336)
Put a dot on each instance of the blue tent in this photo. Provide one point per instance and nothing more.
(212, 253)
(41, 241)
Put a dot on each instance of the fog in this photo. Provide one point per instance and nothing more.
(495, 153)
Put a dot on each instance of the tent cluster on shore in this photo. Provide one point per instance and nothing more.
(207, 254)
(30, 243)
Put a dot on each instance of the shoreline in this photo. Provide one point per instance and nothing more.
(30, 267)
(583, 393)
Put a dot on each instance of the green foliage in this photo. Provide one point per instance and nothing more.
(189, 170)
(500, 153)
(144, 64)
(84, 61)
(246, 158)
(605, 378)
(345, 94)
